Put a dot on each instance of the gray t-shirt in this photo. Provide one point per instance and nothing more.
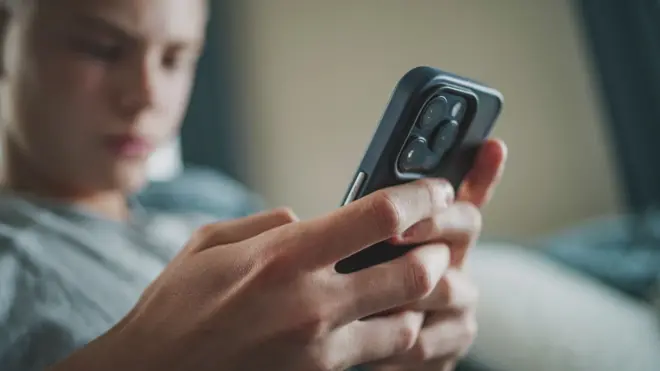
(67, 275)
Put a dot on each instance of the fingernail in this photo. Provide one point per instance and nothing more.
(396, 239)
(451, 196)
(410, 232)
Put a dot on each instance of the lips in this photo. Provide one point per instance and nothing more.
(129, 145)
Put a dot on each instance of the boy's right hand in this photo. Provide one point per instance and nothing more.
(261, 293)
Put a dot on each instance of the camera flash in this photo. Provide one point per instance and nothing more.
(456, 109)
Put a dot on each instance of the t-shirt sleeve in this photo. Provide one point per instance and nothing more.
(29, 341)
(14, 302)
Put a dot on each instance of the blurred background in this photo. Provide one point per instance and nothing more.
(320, 73)
(299, 87)
(289, 93)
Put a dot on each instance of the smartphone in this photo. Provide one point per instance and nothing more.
(433, 126)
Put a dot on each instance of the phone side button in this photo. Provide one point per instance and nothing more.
(355, 188)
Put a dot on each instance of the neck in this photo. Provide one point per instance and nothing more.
(21, 176)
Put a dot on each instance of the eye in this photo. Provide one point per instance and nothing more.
(108, 52)
(171, 60)
(179, 58)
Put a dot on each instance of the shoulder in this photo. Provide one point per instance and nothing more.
(28, 339)
(202, 191)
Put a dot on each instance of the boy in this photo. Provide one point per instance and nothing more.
(89, 280)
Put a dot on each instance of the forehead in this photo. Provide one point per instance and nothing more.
(148, 19)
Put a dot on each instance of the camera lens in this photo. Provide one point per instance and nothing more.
(434, 112)
(444, 137)
(413, 157)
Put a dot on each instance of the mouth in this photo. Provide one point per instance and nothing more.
(128, 145)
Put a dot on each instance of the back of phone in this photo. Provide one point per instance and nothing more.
(432, 127)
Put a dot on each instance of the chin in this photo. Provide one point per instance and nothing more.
(130, 179)
(133, 186)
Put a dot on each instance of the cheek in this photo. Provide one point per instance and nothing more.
(79, 80)
(78, 89)
(174, 99)
(67, 85)
(56, 100)
(76, 95)
(70, 85)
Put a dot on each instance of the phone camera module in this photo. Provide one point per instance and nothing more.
(436, 133)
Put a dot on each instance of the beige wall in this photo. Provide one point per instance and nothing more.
(320, 73)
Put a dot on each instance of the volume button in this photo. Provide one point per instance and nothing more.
(355, 188)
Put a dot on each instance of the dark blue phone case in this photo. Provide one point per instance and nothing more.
(379, 169)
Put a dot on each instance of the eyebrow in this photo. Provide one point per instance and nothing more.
(99, 24)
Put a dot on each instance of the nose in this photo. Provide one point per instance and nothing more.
(136, 90)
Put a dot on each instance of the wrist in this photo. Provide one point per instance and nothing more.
(111, 351)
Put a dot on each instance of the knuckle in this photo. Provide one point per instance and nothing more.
(386, 214)
(205, 232)
(316, 328)
(313, 329)
(440, 191)
(429, 184)
(285, 214)
(406, 337)
(276, 267)
(417, 277)
(274, 263)
(473, 216)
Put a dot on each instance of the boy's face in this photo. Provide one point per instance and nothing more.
(94, 86)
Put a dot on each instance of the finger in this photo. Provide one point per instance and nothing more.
(458, 226)
(363, 342)
(485, 174)
(375, 218)
(223, 233)
(462, 220)
(396, 283)
(444, 340)
(455, 291)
